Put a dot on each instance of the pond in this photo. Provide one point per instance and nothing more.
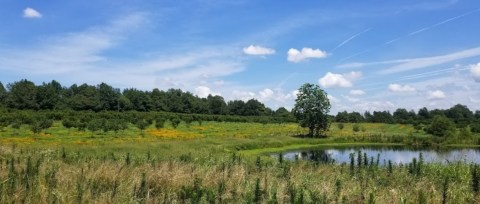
(396, 154)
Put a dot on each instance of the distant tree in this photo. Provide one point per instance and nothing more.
(424, 114)
(342, 117)
(236, 107)
(83, 97)
(108, 97)
(254, 108)
(282, 112)
(460, 114)
(311, 109)
(382, 117)
(140, 100)
(441, 126)
(159, 100)
(50, 96)
(22, 95)
(3, 94)
(216, 105)
(355, 117)
(175, 103)
(368, 116)
(401, 116)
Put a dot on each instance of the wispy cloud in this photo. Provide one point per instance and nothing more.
(419, 63)
(79, 57)
(416, 63)
(258, 50)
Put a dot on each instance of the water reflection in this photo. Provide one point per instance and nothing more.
(397, 154)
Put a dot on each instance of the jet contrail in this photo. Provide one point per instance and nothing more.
(349, 39)
(411, 34)
(441, 23)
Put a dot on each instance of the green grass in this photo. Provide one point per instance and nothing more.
(213, 162)
(211, 138)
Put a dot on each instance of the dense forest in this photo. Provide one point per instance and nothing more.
(25, 95)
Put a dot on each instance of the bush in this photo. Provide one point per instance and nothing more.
(441, 126)
(475, 127)
(340, 126)
(356, 128)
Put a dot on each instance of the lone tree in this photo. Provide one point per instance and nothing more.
(311, 108)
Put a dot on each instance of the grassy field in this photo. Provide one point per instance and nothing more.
(215, 163)
(214, 137)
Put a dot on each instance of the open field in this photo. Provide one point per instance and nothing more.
(215, 162)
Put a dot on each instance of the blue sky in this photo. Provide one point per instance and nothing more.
(367, 55)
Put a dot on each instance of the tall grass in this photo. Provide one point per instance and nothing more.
(46, 176)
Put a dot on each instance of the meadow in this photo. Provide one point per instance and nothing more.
(216, 162)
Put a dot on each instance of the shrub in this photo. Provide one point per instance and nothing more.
(175, 122)
(356, 128)
(441, 126)
(475, 127)
(340, 126)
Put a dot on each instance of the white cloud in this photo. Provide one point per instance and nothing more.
(243, 95)
(296, 56)
(203, 92)
(295, 93)
(331, 80)
(266, 94)
(31, 13)
(357, 92)
(437, 94)
(277, 95)
(352, 76)
(400, 88)
(258, 50)
(351, 99)
(475, 70)
(333, 99)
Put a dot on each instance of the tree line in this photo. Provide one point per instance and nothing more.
(25, 95)
(459, 115)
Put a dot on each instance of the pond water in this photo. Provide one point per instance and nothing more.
(396, 154)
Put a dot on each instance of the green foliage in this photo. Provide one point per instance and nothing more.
(142, 124)
(311, 109)
(441, 126)
(159, 123)
(475, 126)
(175, 122)
(39, 124)
(356, 128)
(340, 126)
